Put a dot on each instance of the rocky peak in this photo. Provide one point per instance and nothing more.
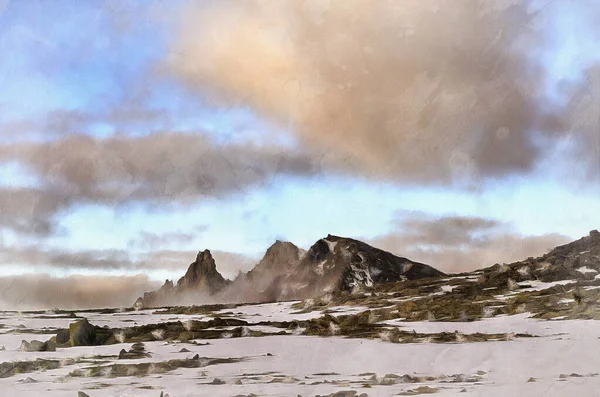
(282, 252)
(344, 263)
(202, 272)
(280, 258)
(318, 251)
(205, 257)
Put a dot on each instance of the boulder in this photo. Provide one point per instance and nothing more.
(33, 346)
(137, 351)
(63, 336)
(138, 347)
(82, 333)
(50, 346)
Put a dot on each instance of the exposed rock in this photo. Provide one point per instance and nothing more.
(578, 260)
(154, 298)
(37, 346)
(63, 336)
(136, 351)
(287, 272)
(343, 264)
(419, 390)
(82, 394)
(82, 333)
(202, 274)
(201, 277)
(139, 305)
(267, 277)
(138, 347)
(50, 346)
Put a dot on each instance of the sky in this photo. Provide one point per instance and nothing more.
(135, 134)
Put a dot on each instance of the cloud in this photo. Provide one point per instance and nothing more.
(229, 264)
(164, 168)
(37, 256)
(415, 91)
(42, 291)
(149, 240)
(31, 211)
(460, 243)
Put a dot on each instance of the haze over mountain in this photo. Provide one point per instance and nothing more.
(456, 134)
(287, 272)
(338, 264)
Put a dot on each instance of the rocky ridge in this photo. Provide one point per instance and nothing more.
(285, 272)
(201, 279)
(336, 264)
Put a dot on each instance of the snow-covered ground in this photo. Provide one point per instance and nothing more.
(505, 367)
(561, 360)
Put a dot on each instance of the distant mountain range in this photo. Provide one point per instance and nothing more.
(287, 272)
(335, 264)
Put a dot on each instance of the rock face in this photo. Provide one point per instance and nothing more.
(201, 277)
(137, 351)
(202, 274)
(578, 260)
(63, 336)
(342, 264)
(288, 272)
(37, 346)
(82, 333)
(270, 275)
(281, 257)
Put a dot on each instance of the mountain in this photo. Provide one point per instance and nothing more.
(338, 263)
(287, 272)
(202, 275)
(578, 260)
(268, 277)
(201, 280)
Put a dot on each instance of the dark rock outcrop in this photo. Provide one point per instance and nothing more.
(82, 333)
(137, 351)
(63, 336)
